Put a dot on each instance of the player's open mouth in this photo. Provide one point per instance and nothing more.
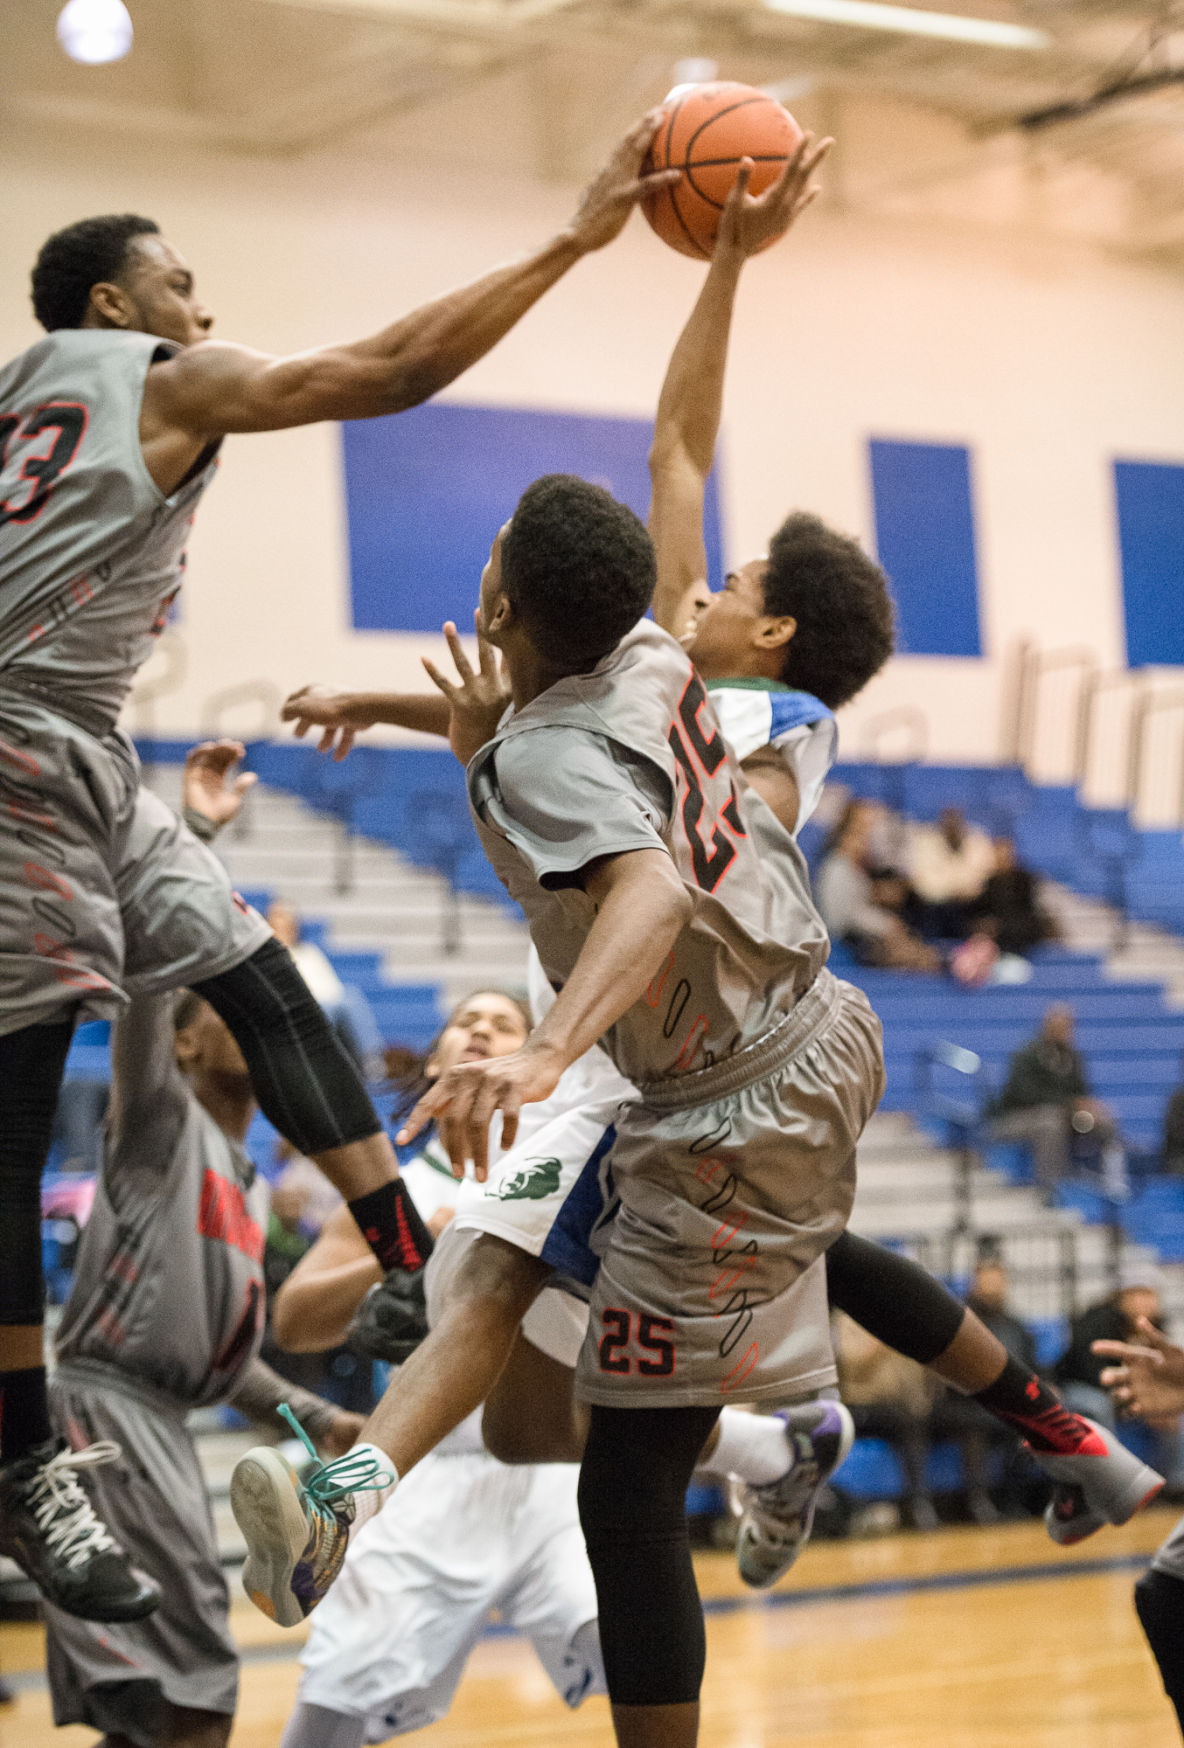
(475, 1053)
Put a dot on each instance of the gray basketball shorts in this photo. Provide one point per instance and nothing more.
(730, 1184)
(104, 892)
(1169, 1556)
(115, 1678)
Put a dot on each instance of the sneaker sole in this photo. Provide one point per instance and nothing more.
(267, 1509)
(1141, 1486)
(761, 1581)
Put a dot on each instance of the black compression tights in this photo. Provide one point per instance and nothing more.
(633, 1483)
(894, 1299)
(31, 1065)
(1159, 1599)
(305, 1080)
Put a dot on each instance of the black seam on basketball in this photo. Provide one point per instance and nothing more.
(673, 117)
(753, 157)
(719, 163)
(719, 114)
(700, 251)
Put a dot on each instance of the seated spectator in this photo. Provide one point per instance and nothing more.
(345, 1005)
(978, 1435)
(889, 1398)
(988, 1298)
(1009, 908)
(857, 908)
(1173, 1133)
(311, 961)
(1079, 1370)
(1046, 1105)
(949, 865)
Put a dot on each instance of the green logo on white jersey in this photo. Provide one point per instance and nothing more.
(535, 1180)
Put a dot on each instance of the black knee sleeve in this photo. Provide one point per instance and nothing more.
(31, 1065)
(633, 1483)
(894, 1299)
(305, 1080)
(1159, 1602)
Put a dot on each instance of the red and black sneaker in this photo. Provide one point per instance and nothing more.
(1098, 1480)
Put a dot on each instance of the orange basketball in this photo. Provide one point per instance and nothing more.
(705, 131)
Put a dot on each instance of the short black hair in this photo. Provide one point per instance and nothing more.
(84, 255)
(578, 568)
(842, 604)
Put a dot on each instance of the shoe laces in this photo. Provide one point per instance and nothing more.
(329, 1485)
(64, 1514)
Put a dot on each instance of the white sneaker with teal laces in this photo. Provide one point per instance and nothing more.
(296, 1527)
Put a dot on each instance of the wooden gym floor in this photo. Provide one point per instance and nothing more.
(960, 1639)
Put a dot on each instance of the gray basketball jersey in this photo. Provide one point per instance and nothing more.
(169, 1282)
(91, 551)
(631, 757)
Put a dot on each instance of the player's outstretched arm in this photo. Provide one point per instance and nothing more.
(689, 408)
(1148, 1380)
(641, 907)
(213, 388)
(342, 716)
(260, 1391)
(465, 713)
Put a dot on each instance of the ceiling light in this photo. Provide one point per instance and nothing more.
(95, 31)
(912, 21)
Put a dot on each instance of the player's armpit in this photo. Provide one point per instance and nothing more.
(776, 785)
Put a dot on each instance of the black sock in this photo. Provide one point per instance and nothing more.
(389, 1222)
(24, 1412)
(1018, 1398)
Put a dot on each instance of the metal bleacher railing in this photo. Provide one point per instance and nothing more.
(1043, 1261)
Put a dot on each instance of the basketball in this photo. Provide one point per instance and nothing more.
(705, 132)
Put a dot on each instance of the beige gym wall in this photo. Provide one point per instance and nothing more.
(1047, 356)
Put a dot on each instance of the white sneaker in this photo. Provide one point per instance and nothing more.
(776, 1520)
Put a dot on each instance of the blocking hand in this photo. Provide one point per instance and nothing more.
(205, 785)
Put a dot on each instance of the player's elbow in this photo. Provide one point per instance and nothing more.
(674, 462)
(294, 1324)
(680, 908)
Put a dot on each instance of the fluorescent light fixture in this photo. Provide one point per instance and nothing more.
(95, 31)
(913, 21)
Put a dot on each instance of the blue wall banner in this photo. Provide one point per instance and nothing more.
(924, 514)
(427, 490)
(1150, 499)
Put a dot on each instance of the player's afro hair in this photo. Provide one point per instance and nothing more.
(578, 568)
(83, 255)
(841, 602)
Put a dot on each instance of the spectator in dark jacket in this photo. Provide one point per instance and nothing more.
(1009, 909)
(981, 1439)
(1173, 1133)
(988, 1300)
(1079, 1370)
(1046, 1103)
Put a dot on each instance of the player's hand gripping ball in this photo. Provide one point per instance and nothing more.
(705, 132)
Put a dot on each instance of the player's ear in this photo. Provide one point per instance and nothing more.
(499, 617)
(774, 632)
(112, 305)
(185, 1046)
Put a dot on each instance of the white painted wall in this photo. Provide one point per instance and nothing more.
(1045, 355)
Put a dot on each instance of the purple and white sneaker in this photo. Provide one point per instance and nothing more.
(776, 1520)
